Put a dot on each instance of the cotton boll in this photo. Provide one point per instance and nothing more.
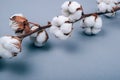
(10, 46)
(65, 5)
(66, 28)
(19, 24)
(92, 24)
(73, 6)
(102, 7)
(89, 21)
(77, 15)
(41, 38)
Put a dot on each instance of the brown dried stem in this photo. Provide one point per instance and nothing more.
(98, 13)
(36, 30)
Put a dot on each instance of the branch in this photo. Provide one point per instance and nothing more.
(99, 13)
(36, 30)
(49, 23)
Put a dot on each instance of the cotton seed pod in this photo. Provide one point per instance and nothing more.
(72, 9)
(107, 5)
(61, 27)
(39, 38)
(19, 24)
(10, 46)
(92, 24)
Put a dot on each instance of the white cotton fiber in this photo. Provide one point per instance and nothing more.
(41, 38)
(65, 5)
(89, 21)
(66, 28)
(73, 7)
(77, 15)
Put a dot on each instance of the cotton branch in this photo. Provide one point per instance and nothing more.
(36, 30)
(98, 13)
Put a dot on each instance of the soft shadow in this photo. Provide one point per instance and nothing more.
(71, 47)
(32, 48)
(16, 67)
(2, 65)
(19, 67)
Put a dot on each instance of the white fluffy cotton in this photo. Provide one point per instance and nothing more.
(9, 46)
(39, 38)
(61, 27)
(12, 23)
(107, 5)
(72, 9)
(91, 25)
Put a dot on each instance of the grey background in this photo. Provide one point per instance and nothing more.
(80, 57)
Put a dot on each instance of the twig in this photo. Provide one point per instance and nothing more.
(98, 13)
(36, 30)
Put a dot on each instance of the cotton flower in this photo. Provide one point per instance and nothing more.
(92, 24)
(10, 46)
(107, 5)
(19, 24)
(61, 27)
(39, 38)
(72, 9)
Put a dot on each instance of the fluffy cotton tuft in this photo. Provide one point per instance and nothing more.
(72, 9)
(39, 38)
(107, 5)
(92, 24)
(9, 46)
(61, 27)
(19, 24)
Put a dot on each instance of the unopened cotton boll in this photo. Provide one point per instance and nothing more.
(10, 46)
(92, 24)
(72, 9)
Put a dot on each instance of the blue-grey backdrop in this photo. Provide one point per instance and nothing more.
(80, 57)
